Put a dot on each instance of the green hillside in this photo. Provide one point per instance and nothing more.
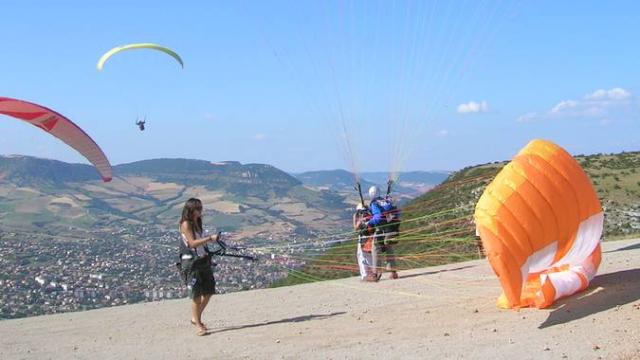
(437, 227)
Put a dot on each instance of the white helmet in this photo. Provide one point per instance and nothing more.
(373, 192)
(360, 207)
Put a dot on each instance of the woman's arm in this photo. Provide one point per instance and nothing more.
(192, 242)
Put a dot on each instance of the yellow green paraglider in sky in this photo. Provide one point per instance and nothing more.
(151, 46)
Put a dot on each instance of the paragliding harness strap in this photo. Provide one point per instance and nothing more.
(222, 251)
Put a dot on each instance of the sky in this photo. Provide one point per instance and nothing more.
(301, 85)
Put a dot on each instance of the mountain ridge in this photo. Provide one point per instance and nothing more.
(154, 191)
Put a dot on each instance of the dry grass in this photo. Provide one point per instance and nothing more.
(225, 207)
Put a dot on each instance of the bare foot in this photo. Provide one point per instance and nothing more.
(201, 330)
(193, 322)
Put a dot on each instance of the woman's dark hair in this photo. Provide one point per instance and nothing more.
(187, 215)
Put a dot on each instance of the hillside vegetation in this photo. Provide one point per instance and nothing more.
(438, 228)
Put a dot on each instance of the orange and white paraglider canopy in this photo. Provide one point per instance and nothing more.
(540, 221)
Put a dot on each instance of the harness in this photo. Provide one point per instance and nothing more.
(388, 229)
(188, 260)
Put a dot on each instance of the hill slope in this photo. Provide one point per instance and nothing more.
(254, 198)
(615, 177)
(440, 312)
(438, 226)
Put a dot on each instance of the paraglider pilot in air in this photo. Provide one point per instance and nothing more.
(140, 123)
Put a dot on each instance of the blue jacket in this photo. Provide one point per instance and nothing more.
(378, 211)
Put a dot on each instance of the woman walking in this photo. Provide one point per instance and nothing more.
(196, 262)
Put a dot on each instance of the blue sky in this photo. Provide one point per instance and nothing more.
(408, 85)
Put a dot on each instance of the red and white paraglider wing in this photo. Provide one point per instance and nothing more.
(60, 127)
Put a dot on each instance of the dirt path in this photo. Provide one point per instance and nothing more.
(439, 312)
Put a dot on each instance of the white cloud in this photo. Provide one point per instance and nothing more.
(593, 105)
(612, 94)
(528, 117)
(442, 133)
(259, 137)
(599, 104)
(473, 107)
(564, 105)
